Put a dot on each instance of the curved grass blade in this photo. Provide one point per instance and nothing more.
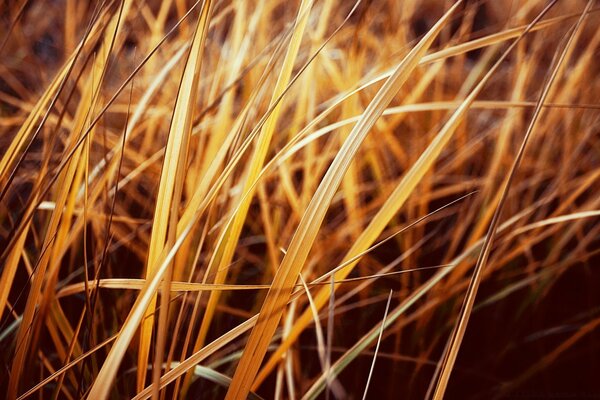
(306, 232)
(458, 332)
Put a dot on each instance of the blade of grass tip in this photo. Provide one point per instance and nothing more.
(313, 217)
(173, 171)
(458, 332)
(395, 200)
(387, 308)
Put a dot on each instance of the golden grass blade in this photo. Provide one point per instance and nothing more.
(458, 332)
(288, 367)
(169, 193)
(318, 328)
(393, 203)
(177, 286)
(225, 249)
(556, 220)
(138, 284)
(345, 360)
(476, 44)
(60, 372)
(372, 335)
(47, 100)
(387, 308)
(306, 232)
(30, 327)
(249, 241)
(216, 377)
(330, 321)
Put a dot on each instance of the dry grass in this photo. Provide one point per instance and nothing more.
(214, 199)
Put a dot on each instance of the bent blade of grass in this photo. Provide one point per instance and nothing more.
(458, 332)
(178, 286)
(164, 222)
(557, 219)
(305, 235)
(343, 361)
(394, 202)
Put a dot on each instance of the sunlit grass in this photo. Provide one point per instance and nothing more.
(214, 199)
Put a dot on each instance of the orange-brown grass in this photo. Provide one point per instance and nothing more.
(308, 199)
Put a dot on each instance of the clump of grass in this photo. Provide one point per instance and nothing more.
(232, 199)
